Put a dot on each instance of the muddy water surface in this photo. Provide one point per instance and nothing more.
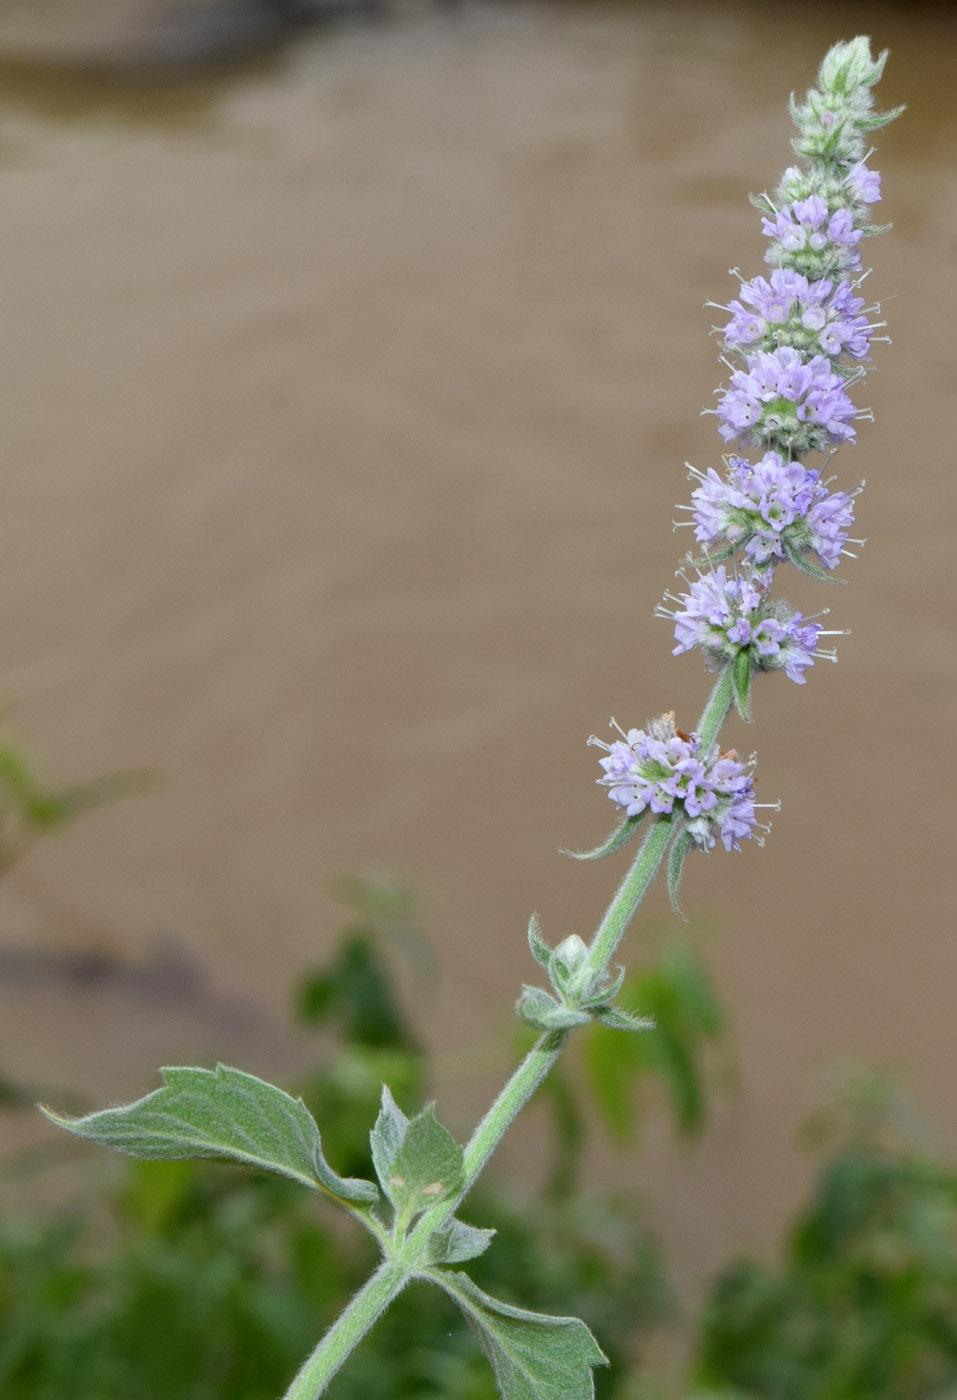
(346, 399)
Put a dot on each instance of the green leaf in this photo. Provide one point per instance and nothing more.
(533, 1356)
(613, 1065)
(46, 808)
(676, 859)
(426, 1165)
(618, 839)
(539, 948)
(800, 560)
(608, 987)
(619, 1020)
(226, 1114)
(536, 1008)
(356, 989)
(386, 1139)
(455, 1242)
(741, 682)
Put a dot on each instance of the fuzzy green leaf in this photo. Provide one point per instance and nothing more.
(455, 1242)
(536, 1008)
(533, 1356)
(800, 560)
(539, 948)
(618, 839)
(426, 1166)
(607, 989)
(225, 1114)
(676, 859)
(618, 1020)
(386, 1139)
(741, 682)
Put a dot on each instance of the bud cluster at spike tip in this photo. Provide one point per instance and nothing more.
(795, 345)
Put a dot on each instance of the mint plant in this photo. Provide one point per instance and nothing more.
(796, 344)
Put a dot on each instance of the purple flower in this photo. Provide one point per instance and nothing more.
(724, 614)
(773, 509)
(781, 401)
(865, 183)
(662, 767)
(654, 769)
(808, 238)
(811, 317)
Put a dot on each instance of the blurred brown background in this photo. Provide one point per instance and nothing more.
(346, 399)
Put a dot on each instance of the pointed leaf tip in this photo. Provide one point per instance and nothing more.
(539, 948)
(741, 683)
(455, 1242)
(676, 859)
(618, 839)
(224, 1114)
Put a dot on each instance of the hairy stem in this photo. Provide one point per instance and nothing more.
(347, 1331)
(392, 1275)
(716, 710)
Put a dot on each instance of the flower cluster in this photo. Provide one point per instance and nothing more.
(782, 400)
(662, 768)
(814, 318)
(807, 237)
(724, 614)
(772, 509)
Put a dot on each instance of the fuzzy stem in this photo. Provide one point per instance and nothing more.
(347, 1331)
(716, 710)
(629, 895)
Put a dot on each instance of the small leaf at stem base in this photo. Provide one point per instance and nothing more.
(455, 1242)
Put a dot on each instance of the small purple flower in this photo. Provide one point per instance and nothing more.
(662, 767)
(866, 184)
(811, 317)
(773, 509)
(654, 768)
(781, 401)
(808, 238)
(723, 614)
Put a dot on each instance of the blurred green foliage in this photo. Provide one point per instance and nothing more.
(864, 1305)
(201, 1282)
(30, 807)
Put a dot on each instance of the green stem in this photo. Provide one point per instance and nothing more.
(348, 1330)
(716, 710)
(629, 895)
(391, 1276)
